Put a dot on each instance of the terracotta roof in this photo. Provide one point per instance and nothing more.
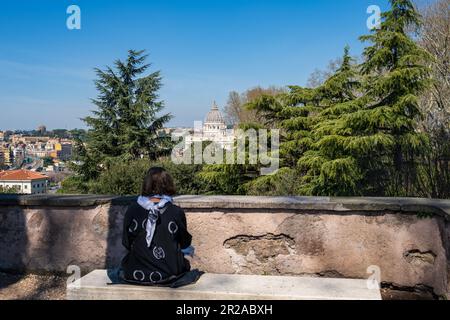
(15, 175)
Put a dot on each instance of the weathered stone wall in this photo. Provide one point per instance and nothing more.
(408, 239)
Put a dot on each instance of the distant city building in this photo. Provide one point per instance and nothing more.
(213, 129)
(64, 151)
(42, 147)
(19, 150)
(31, 140)
(2, 160)
(2, 136)
(38, 152)
(16, 138)
(24, 181)
(42, 129)
(56, 167)
(19, 155)
(6, 154)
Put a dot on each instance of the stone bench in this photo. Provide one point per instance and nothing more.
(94, 286)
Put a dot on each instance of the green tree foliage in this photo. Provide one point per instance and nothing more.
(225, 179)
(76, 184)
(60, 133)
(235, 111)
(77, 134)
(122, 178)
(48, 161)
(327, 170)
(231, 177)
(126, 121)
(292, 113)
(125, 178)
(381, 137)
(125, 126)
(9, 190)
(357, 132)
(298, 113)
(283, 183)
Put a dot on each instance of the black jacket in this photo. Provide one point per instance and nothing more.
(162, 262)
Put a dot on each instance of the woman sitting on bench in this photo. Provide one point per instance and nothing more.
(156, 236)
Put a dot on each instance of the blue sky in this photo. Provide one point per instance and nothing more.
(204, 49)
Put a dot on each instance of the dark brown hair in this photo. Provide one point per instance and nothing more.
(158, 181)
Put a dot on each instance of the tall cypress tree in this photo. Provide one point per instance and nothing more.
(125, 124)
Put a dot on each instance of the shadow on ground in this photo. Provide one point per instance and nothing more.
(13, 243)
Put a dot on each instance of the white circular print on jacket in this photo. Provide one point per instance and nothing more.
(144, 224)
(138, 275)
(134, 225)
(155, 276)
(172, 227)
(159, 253)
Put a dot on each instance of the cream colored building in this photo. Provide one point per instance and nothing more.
(24, 181)
(213, 129)
(2, 159)
(6, 155)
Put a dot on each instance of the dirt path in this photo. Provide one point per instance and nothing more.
(32, 287)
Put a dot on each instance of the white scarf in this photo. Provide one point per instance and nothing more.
(153, 213)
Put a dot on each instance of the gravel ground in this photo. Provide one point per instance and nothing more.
(32, 287)
(392, 294)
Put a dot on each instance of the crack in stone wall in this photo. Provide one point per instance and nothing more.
(418, 258)
(249, 253)
(264, 247)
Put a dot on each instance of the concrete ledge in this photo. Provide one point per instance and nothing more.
(226, 287)
(408, 239)
(211, 203)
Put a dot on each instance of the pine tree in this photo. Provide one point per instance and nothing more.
(325, 168)
(292, 113)
(297, 113)
(224, 177)
(356, 134)
(396, 76)
(125, 124)
(371, 146)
